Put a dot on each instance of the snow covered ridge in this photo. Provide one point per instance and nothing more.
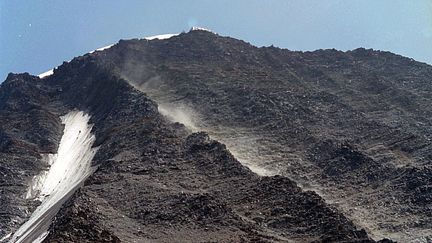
(68, 169)
(202, 29)
(158, 37)
(155, 37)
(102, 48)
(46, 74)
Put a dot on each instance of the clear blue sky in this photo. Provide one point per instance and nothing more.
(36, 35)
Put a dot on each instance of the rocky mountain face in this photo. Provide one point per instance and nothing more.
(203, 138)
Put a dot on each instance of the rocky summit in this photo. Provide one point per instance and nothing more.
(205, 138)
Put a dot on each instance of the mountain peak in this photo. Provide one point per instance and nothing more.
(196, 28)
(204, 132)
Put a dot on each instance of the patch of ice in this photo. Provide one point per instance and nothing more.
(160, 37)
(41, 237)
(5, 237)
(46, 74)
(202, 29)
(69, 168)
(102, 48)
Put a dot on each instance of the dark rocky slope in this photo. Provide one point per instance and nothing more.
(30, 126)
(354, 126)
(158, 182)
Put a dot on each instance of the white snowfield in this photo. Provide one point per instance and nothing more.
(158, 37)
(102, 48)
(68, 169)
(203, 29)
(5, 237)
(46, 74)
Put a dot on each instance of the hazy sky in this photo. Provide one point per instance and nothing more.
(36, 35)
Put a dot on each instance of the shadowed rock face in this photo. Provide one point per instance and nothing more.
(29, 127)
(353, 126)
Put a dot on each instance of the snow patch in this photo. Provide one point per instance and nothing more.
(102, 48)
(68, 169)
(46, 74)
(202, 29)
(160, 37)
(5, 237)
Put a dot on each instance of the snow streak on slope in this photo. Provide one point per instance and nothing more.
(5, 237)
(68, 168)
(202, 29)
(160, 37)
(102, 48)
(46, 74)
